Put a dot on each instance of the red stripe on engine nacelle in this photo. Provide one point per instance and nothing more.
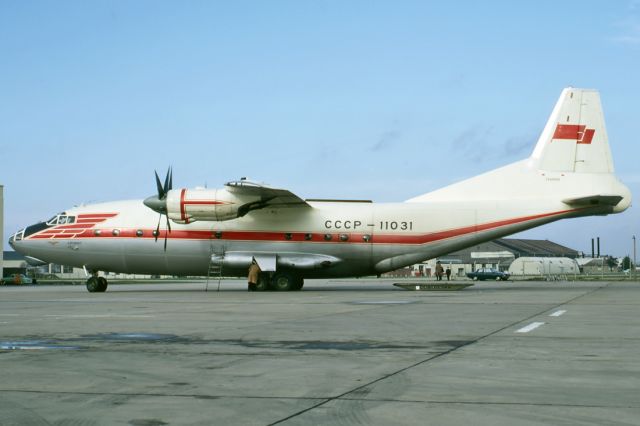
(184, 203)
(182, 212)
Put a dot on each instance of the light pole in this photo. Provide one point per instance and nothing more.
(634, 257)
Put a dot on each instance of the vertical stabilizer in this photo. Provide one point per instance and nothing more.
(575, 138)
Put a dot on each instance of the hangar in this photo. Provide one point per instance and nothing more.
(527, 265)
(496, 254)
(1, 230)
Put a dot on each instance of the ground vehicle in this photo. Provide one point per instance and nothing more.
(488, 274)
(17, 279)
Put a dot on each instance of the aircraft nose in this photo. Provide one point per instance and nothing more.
(15, 238)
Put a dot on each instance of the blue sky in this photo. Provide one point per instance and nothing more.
(359, 99)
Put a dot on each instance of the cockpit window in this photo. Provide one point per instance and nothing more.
(52, 221)
(61, 219)
(66, 220)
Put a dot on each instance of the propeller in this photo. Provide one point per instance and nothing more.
(158, 202)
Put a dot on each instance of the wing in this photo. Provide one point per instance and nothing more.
(269, 197)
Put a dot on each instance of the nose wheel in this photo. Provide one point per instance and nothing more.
(96, 284)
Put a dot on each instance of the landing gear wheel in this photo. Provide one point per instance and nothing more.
(283, 281)
(97, 284)
(93, 285)
(102, 284)
(263, 283)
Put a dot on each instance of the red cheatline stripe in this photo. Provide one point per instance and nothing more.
(75, 226)
(96, 215)
(436, 236)
(316, 237)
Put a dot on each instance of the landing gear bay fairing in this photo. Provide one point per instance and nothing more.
(218, 232)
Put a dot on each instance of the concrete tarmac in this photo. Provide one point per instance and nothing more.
(337, 352)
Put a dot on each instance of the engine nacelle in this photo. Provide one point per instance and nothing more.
(190, 205)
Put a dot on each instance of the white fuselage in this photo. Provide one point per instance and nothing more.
(360, 238)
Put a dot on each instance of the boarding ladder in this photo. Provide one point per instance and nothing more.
(214, 272)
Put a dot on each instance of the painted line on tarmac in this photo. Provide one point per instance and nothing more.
(384, 302)
(557, 313)
(530, 327)
(100, 316)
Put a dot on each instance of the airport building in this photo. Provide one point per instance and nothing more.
(1, 231)
(16, 263)
(500, 254)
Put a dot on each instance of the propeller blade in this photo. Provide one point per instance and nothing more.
(166, 233)
(158, 228)
(159, 203)
(159, 186)
(166, 181)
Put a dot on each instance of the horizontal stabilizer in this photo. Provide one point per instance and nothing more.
(594, 200)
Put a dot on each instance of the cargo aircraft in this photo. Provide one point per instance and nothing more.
(218, 232)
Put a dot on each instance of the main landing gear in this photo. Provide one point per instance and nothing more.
(286, 281)
(96, 284)
(280, 281)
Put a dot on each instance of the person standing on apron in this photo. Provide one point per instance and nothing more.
(254, 275)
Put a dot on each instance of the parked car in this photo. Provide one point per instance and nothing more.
(17, 279)
(488, 274)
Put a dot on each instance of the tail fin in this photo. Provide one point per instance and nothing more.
(573, 143)
(575, 139)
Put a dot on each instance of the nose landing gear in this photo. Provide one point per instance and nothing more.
(96, 284)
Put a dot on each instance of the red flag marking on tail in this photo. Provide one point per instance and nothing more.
(576, 132)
